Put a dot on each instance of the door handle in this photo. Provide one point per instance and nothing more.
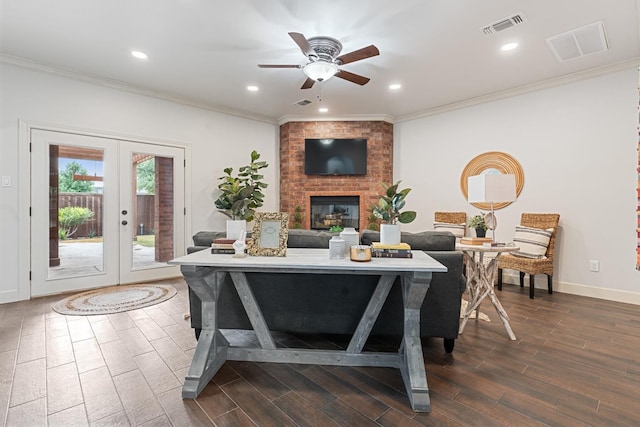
(124, 222)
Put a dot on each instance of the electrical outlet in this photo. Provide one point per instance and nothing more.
(594, 265)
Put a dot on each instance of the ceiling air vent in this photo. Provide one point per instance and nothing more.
(579, 42)
(302, 102)
(503, 24)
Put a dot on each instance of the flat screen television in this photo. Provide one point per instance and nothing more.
(334, 156)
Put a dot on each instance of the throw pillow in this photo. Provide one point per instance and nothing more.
(457, 229)
(533, 242)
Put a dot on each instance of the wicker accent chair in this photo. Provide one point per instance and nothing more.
(528, 265)
(451, 217)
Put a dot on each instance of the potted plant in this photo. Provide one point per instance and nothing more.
(241, 194)
(297, 217)
(388, 210)
(478, 223)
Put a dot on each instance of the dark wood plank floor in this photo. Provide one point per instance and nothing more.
(575, 363)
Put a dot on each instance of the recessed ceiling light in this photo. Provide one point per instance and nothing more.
(252, 88)
(139, 54)
(509, 46)
(395, 86)
(323, 109)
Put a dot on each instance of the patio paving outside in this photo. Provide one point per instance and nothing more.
(81, 258)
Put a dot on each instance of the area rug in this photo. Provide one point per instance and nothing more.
(114, 299)
(463, 308)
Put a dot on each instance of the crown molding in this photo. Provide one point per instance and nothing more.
(520, 90)
(119, 85)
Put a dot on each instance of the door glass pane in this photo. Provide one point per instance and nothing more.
(75, 211)
(153, 209)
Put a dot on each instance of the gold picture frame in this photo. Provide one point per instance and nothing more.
(492, 162)
(270, 234)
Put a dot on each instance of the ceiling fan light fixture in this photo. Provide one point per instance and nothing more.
(320, 70)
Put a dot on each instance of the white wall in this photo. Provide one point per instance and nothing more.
(577, 145)
(216, 141)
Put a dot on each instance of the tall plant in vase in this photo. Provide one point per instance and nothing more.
(389, 209)
(241, 194)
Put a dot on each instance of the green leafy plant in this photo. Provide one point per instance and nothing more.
(390, 204)
(297, 217)
(373, 221)
(477, 221)
(243, 193)
(335, 228)
(72, 217)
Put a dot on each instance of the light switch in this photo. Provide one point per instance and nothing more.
(6, 181)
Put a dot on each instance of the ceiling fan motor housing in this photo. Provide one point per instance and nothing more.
(327, 48)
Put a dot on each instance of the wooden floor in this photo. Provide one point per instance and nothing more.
(575, 363)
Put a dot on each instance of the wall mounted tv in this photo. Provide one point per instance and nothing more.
(332, 156)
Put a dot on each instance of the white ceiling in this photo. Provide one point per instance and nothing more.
(205, 52)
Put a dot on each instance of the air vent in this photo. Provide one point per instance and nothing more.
(503, 24)
(302, 102)
(579, 42)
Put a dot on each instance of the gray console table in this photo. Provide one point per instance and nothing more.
(204, 273)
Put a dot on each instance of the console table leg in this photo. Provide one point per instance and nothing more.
(210, 354)
(414, 289)
(414, 375)
(211, 350)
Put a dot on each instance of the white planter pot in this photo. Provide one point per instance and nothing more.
(390, 234)
(235, 228)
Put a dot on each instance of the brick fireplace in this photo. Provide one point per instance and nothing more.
(296, 188)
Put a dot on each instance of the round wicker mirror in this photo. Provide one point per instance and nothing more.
(492, 162)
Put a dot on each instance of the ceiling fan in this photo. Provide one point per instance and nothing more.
(322, 53)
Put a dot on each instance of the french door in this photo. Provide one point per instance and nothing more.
(104, 211)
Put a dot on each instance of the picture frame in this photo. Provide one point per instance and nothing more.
(270, 234)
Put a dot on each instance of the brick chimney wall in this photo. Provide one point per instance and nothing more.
(296, 188)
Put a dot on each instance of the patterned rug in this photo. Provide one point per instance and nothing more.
(463, 308)
(114, 299)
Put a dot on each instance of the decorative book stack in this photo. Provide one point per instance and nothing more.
(224, 246)
(401, 250)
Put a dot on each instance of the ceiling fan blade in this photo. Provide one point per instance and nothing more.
(308, 83)
(354, 78)
(304, 45)
(277, 66)
(357, 55)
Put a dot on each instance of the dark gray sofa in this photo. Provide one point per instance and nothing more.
(343, 298)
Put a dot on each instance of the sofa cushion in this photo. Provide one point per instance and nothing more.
(309, 238)
(422, 241)
(205, 238)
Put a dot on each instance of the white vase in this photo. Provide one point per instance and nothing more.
(390, 234)
(351, 238)
(235, 227)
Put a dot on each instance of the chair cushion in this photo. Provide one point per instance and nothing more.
(533, 242)
(457, 229)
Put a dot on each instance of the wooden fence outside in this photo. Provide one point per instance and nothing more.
(94, 202)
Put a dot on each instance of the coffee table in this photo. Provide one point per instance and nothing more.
(204, 273)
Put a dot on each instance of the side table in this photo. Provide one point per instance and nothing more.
(480, 281)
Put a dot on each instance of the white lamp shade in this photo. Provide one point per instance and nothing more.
(491, 188)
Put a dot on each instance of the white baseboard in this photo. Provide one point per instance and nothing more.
(577, 289)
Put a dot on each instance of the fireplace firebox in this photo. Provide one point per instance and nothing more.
(327, 211)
